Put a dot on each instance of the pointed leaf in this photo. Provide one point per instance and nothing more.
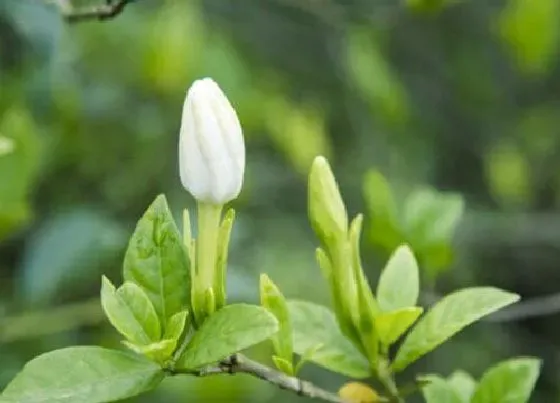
(82, 374)
(131, 312)
(176, 325)
(313, 325)
(448, 317)
(273, 300)
(510, 381)
(399, 283)
(156, 260)
(226, 332)
(392, 325)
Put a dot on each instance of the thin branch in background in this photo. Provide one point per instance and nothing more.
(101, 12)
(239, 364)
(30, 325)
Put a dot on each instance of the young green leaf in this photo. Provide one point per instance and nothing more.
(307, 356)
(438, 390)
(156, 260)
(83, 374)
(273, 300)
(313, 325)
(221, 262)
(392, 325)
(176, 326)
(447, 317)
(161, 351)
(510, 381)
(283, 365)
(399, 283)
(227, 331)
(131, 312)
(463, 384)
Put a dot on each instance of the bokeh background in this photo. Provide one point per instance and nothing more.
(462, 97)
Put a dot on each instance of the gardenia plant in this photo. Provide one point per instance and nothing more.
(173, 314)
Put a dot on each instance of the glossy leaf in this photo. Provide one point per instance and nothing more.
(316, 325)
(510, 381)
(83, 374)
(399, 283)
(228, 331)
(156, 260)
(448, 317)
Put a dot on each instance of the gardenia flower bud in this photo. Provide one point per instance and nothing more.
(211, 146)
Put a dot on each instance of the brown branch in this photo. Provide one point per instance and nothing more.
(239, 364)
(100, 12)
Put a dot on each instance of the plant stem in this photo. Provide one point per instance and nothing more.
(385, 376)
(239, 364)
(206, 255)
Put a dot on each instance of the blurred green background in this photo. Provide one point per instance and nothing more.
(459, 96)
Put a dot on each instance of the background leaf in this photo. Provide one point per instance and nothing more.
(228, 331)
(70, 249)
(316, 325)
(510, 381)
(156, 260)
(83, 374)
(448, 317)
(438, 390)
(463, 383)
(399, 283)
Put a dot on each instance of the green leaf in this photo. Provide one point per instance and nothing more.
(438, 390)
(227, 331)
(161, 351)
(283, 365)
(176, 326)
(384, 224)
(273, 300)
(399, 283)
(510, 381)
(156, 260)
(83, 374)
(313, 325)
(448, 317)
(463, 384)
(392, 325)
(306, 357)
(131, 312)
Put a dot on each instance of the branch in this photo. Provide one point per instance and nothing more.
(100, 12)
(239, 364)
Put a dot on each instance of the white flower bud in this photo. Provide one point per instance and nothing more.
(211, 146)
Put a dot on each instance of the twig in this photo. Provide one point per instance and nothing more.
(239, 364)
(100, 12)
(51, 320)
